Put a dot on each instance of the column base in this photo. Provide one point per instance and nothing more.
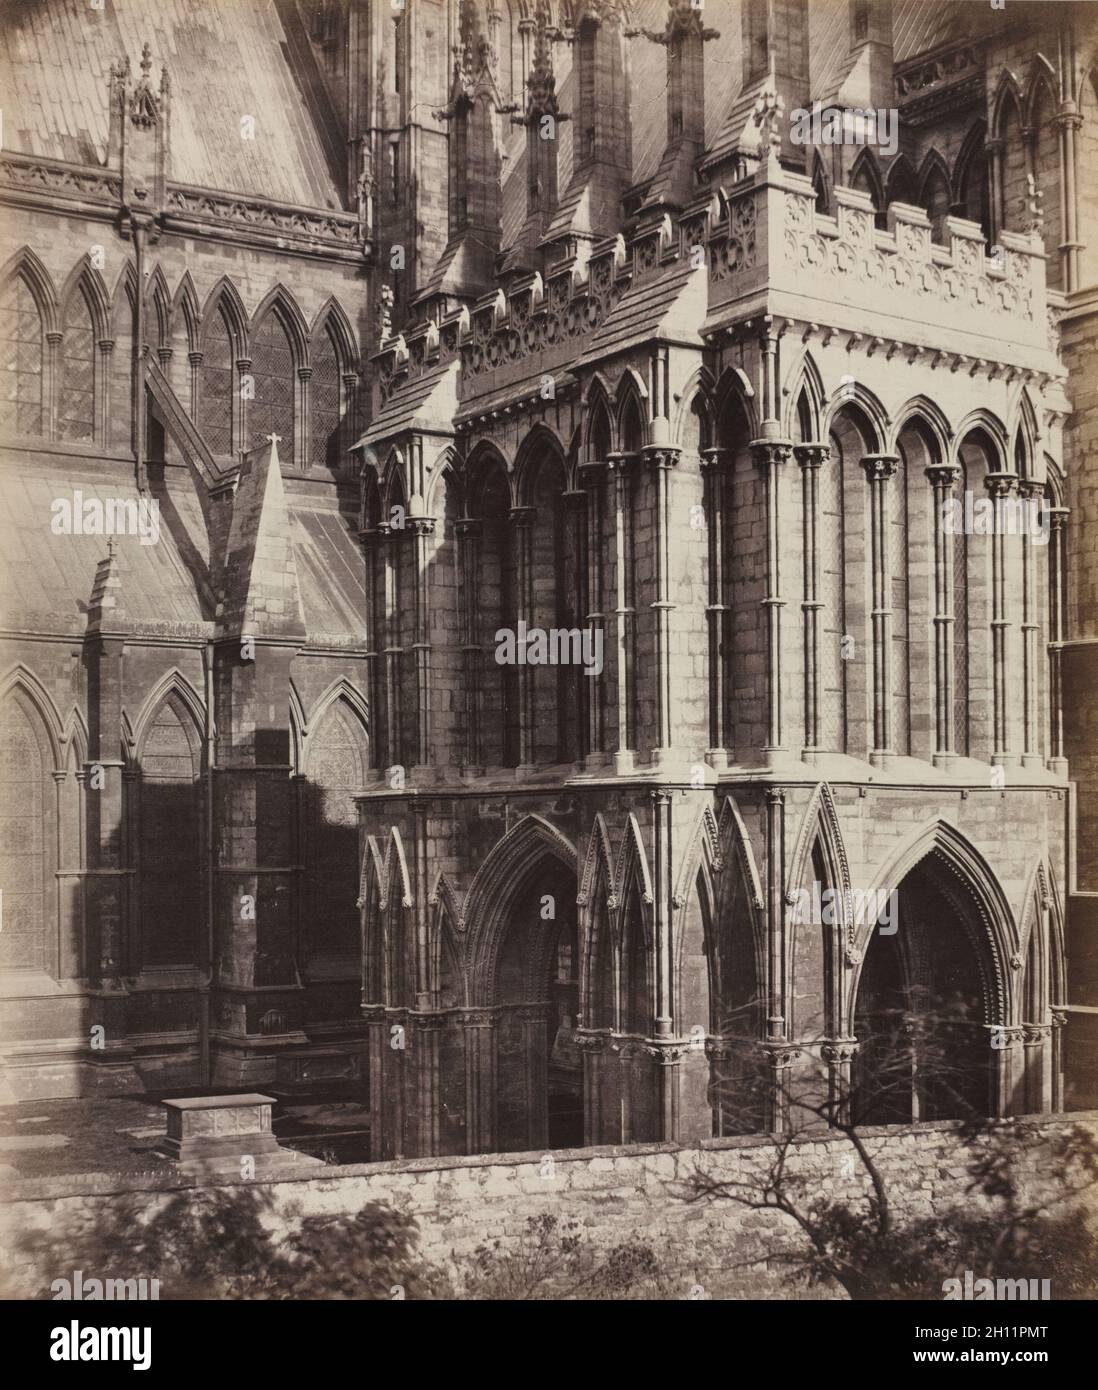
(717, 758)
(882, 757)
(945, 760)
(1057, 766)
(624, 761)
(593, 762)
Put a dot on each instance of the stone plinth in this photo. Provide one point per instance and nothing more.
(218, 1132)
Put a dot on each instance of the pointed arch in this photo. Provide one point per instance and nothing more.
(695, 398)
(85, 317)
(75, 735)
(332, 318)
(971, 158)
(735, 396)
(923, 411)
(864, 410)
(185, 302)
(20, 677)
(507, 866)
(631, 414)
(1007, 98)
(538, 446)
(279, 301)
(989, 431)
(998, 943)
(901, 184)
(224, 298)
(25, 264)
(632, 869)
(1040, 81)
(339, 689)
(85, 279)
(1027, 436)
(821, 183)
(599, 433)
(806, 400)
(820, 823)
(158, 299)
(173, 682)
(448, 976)
(865, 177)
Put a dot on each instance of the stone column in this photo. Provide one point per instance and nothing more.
(534, 1019)
(624, 613)
(1007, 1046)
(574, 687)
(427, 1028)
(480, 1079)
(598, 1093)
(102, 393)
(303, 434)
(942, 477)
(993, 152)
(717, 612)
(811, 457)
(594, 483)
(769, 455)
(522, 523)
(780, 1058)
(879, 468)
(776, 1018)
(422, 529)
(1031, 493)
(240, 410)
(388, 541)
(469, 537)
(1056, 1049)
(1057, 763)
(663, 460)
(839, 1055)
(1036, 1049)
(1000, 486)
(194, 363)
(1066, 122)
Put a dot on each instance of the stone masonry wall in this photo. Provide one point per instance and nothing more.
(614, 1194)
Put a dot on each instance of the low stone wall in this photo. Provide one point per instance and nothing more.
(612, 1194)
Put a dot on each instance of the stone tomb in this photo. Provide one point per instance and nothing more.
(217, 1133)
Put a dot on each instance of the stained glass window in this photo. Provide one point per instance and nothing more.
(76, 420)
(21, 358)
(272, 409)
(215, 412)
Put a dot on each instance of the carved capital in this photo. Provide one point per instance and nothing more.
(1000, 485)
(812, 455)
(522, 518)
(879, 467)
(770, 453)
(943, 475)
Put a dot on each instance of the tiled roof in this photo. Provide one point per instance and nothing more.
(46, 579)
(670, 306)
(424, 402)
(330, 573)
(226, 60)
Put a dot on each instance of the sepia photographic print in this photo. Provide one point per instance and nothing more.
(548, 663)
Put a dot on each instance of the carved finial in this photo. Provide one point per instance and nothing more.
(144, 104)
(1031, 206)
(769, 116)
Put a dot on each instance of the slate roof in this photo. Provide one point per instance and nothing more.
(46, 579)
(226, 59)
(670, 306)
(427, 401)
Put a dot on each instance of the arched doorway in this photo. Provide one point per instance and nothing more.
(539, 1098)
(921, 1013)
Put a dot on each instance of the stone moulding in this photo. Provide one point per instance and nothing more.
(53, 180)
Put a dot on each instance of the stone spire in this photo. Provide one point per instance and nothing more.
(466, 268)
(684, 36)
(260, 594)
(602, 144)
(542, 118)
